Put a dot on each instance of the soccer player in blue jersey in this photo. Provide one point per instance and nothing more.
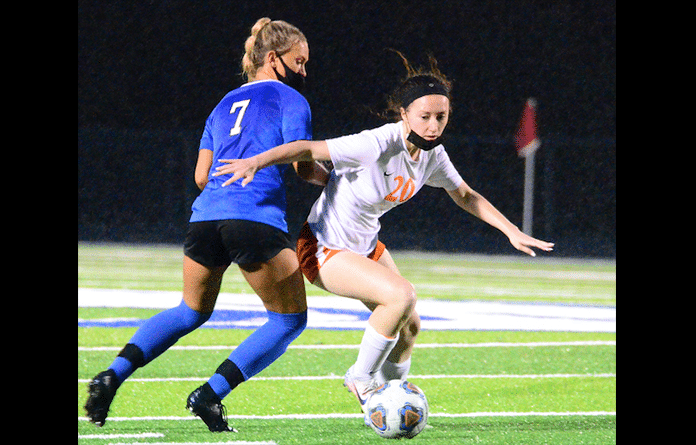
(242, 225)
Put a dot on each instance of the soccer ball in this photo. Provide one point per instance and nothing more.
(397, 409)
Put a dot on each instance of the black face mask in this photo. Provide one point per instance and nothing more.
(291, 78)
(421, 143)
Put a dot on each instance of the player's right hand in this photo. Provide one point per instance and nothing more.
(238, 168)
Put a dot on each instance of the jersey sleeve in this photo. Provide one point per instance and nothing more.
(444, 174)
(297, 119)
(351, 153)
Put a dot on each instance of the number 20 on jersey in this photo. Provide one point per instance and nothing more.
(403, 190)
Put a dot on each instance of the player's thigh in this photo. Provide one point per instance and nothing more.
(205, 261)
(354, 276)
(201, 285)
(278, 282)
(387, 261)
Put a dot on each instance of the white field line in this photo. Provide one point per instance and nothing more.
(343, 313)
(357, 416)
(232, 442)
(119, 436)
(424, 346)
(340, 377)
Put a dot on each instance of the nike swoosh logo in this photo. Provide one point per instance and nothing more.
(388, 174)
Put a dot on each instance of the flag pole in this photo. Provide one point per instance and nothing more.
(527, 144)
(528, 205)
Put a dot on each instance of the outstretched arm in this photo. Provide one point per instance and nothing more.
(298, 151)
(477, 205)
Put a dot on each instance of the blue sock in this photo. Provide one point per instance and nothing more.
(258, 351)
(155, 336)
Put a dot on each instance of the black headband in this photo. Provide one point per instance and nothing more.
(420, 89)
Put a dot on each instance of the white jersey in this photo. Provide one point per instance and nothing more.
(373, 173)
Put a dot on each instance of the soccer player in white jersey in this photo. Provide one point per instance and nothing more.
(375, 171)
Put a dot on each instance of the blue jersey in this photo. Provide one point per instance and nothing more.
(250, 120)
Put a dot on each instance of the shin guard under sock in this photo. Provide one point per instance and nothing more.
(258, 351)
(155, 336)
(374, 350)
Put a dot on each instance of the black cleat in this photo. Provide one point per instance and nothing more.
(102, 390)
(204, 403)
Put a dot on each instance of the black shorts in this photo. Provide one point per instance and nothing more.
(219, 243)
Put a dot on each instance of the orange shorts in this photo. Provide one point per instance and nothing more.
(312, 256)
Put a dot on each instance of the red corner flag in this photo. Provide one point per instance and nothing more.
(526, 139)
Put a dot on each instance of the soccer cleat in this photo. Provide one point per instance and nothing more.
(204, 403)
(360, 389)
(102, 390)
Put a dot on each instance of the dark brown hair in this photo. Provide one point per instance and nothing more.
(414, 80)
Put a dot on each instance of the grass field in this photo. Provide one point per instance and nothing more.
(488, 387)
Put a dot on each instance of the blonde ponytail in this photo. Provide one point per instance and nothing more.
(267, 35)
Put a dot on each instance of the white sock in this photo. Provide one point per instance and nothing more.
(374, 350)
(394, 371)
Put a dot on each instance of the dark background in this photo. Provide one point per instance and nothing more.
(150, 72)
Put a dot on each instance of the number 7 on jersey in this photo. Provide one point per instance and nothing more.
(243, 104)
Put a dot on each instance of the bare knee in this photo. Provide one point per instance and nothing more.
(403, 299)
(410, 298)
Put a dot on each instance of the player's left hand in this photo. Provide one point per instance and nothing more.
(524, 242)
(238, 168)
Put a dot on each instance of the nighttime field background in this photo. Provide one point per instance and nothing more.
(150, 72)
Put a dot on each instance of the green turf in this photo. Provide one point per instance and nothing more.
(453, 277)
(263, 397)
(207, 337)
(494, 360)
(585, 393)
(555, 379)
(594, 430)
